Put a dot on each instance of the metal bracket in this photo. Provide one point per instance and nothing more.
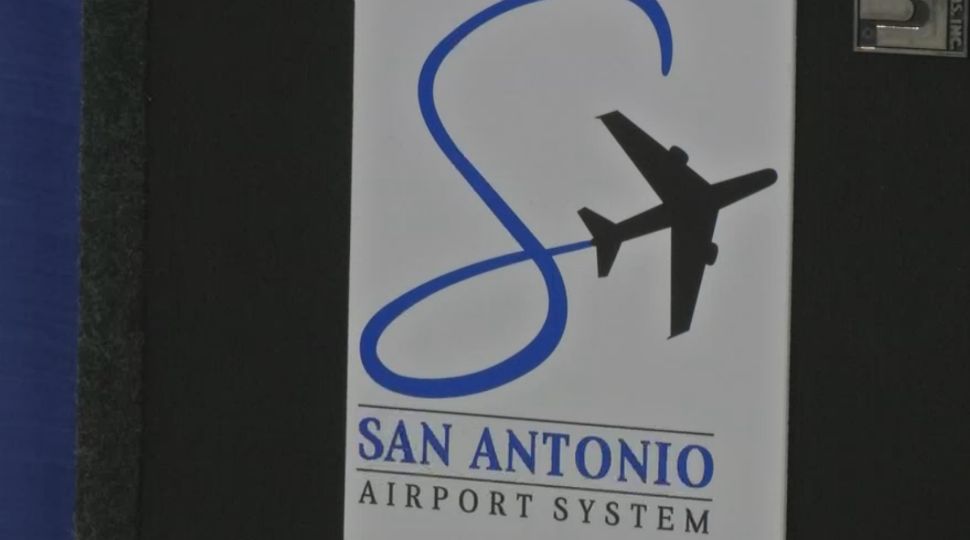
(926, 27)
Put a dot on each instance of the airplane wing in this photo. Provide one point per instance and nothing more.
(668, 177)
(691, 251)
(731, 191)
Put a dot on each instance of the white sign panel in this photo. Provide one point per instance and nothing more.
(570, 246)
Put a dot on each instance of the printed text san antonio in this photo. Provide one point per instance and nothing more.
(613, 476)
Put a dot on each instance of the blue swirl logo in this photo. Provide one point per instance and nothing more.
(549, 335)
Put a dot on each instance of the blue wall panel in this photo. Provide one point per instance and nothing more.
(40, 81)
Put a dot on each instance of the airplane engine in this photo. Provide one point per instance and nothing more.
(679, 155)
(712, 251)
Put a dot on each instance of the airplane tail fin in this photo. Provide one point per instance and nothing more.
(604, 238)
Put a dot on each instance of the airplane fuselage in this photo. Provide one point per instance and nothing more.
(690, 210)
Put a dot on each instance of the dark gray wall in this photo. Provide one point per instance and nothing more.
(248, 137)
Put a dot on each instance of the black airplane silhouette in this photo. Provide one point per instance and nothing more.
(690, 208)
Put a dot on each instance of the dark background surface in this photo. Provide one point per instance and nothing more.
(879, 437)
(248, 198)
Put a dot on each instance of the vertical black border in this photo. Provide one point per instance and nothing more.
(248, 224)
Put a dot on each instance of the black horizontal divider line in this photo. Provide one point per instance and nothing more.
(533, 484)
(538, 420)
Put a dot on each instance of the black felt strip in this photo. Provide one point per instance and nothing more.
(112, 229)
